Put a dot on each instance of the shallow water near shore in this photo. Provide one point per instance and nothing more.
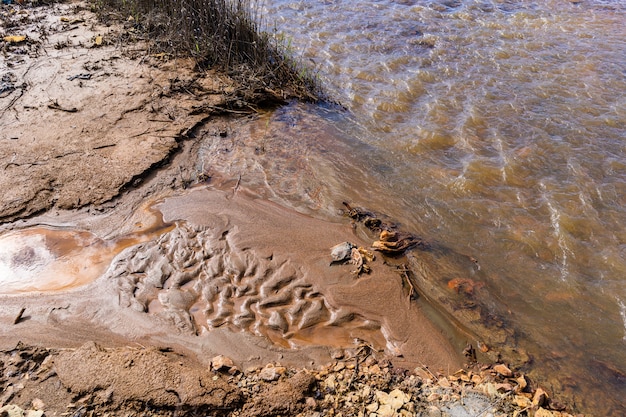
(497, 129)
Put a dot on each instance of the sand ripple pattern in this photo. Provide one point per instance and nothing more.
(196, 277)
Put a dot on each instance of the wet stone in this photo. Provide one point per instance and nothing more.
(222, 363)
(341, 252)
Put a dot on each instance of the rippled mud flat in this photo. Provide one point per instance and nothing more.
(253, 266)
(229, 273)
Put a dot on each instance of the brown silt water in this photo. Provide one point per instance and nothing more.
(497, 129)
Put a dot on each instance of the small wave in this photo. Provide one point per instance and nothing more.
(555, 222)
(622, 312)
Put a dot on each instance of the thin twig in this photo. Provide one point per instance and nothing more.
(236, 187)
(19, 315)
(55, 106)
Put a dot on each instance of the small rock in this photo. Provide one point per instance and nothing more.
(503, 370)
(310, 403)
(271, 373)
(12, 410)
(542, 412)
(444, 383)
(341, 252)
(489, 389)
(331, 382)
(504, 387)
(433, 411)
(382, 396)
(251, 369)
(477, 379)
(522, 401)
(397, 399)
(38, 404)
(433, 397)
(34, 413)
(385, 410)
(369, 361)
(372, 407)
(338, 354)
(339, 367)
(221, 363)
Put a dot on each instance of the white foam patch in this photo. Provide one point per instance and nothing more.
(23, 259)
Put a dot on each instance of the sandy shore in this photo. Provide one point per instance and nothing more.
(136, 268)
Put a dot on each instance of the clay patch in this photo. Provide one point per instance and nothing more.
(119, 376)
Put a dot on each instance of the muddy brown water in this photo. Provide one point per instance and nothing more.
(502, 129)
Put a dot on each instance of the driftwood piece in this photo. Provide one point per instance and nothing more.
(391, 240)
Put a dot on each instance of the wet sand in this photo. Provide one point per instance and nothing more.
(236, 264)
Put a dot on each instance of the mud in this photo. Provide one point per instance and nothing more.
(252, 265)
(82, 120)
(237, 264)
(47, 259)
(164, 382)
(137, 381)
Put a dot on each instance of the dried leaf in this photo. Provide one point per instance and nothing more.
(14, 38)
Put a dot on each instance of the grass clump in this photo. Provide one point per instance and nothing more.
(223, 34)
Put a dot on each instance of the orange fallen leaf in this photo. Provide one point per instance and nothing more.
(14, 38)
(464, 285)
